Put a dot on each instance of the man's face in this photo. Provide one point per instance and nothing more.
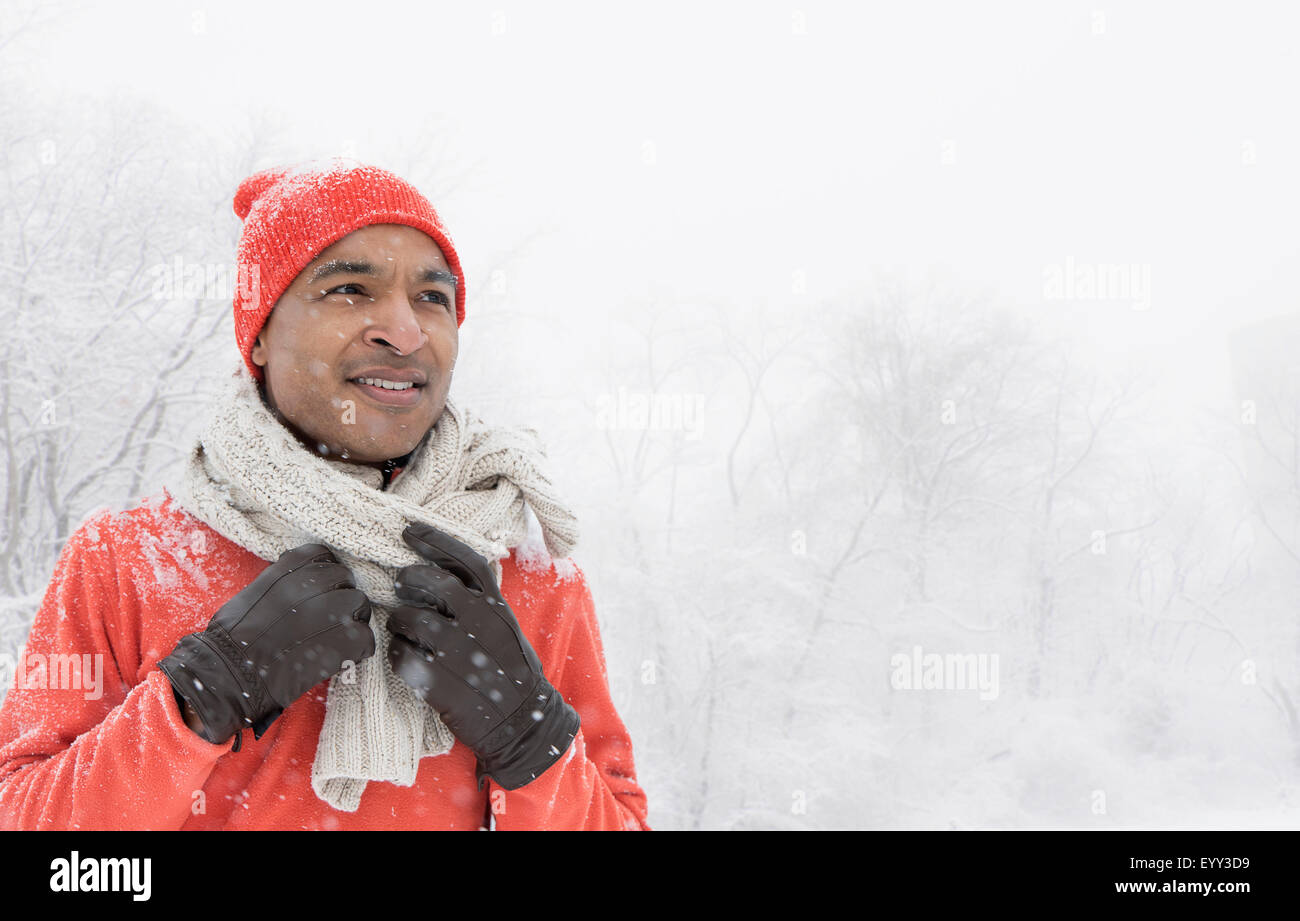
(378, 303)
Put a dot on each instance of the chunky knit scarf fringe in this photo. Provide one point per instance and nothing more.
(253, 482)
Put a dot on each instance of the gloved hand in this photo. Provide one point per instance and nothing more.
(458, 645)
(288, 630)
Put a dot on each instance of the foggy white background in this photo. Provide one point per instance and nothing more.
(834, 229)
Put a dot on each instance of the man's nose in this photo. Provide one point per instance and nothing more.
(393, 323)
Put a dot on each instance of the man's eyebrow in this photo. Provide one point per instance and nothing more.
(433, 276)
(343, 267)
(361, 267)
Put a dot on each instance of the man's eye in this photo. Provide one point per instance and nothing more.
(339, 289)
(439, 294)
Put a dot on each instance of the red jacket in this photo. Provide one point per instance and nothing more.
(115, 754)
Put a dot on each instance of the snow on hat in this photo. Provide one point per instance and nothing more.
(292, 213)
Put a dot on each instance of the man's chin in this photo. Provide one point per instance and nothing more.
(371, 453)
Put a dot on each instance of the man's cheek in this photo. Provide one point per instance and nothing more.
(318, 368)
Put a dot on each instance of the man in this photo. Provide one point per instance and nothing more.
(354, 610)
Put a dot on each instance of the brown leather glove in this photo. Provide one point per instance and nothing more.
(458, 645)
(288, 630)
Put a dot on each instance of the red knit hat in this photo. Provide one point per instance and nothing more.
(291, 214)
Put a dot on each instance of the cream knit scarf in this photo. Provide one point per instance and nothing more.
(254, 483)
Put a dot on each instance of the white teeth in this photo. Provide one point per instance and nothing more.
(387, 385)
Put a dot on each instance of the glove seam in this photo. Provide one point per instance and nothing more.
(344, 583)
(530, 697)
(555, 709)
(289, 649)
(205, 713)
(443, 669)
(246, 677)
(242, 705)
(565, 714)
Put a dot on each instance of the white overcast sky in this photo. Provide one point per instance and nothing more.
(789, 136)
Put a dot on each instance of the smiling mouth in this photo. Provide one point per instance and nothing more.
(395, 394)
(385, 384)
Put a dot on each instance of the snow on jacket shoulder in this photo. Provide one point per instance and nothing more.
(91, 736)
